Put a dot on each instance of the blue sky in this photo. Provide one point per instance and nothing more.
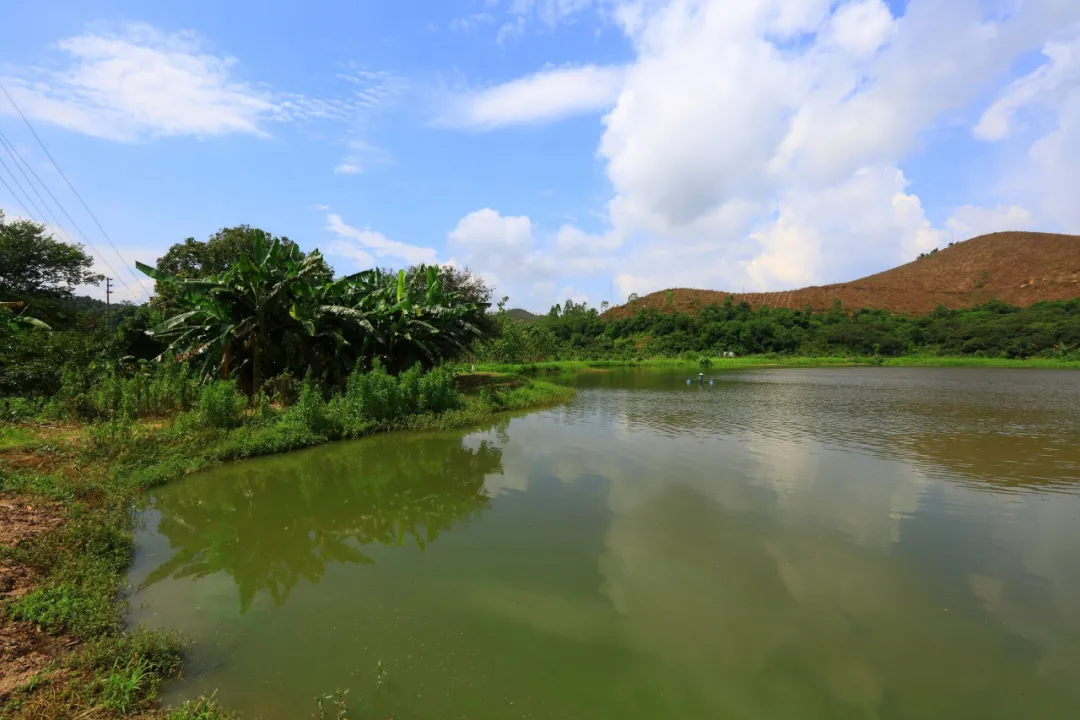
(563, 148)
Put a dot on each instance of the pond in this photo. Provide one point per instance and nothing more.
(783, 543)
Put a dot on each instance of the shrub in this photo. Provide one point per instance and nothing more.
(373, 395)
(378, 397)
(221, 404)
(438, 392)
(15, 409)
(310, 409)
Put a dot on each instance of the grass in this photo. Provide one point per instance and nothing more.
(96, 469)
(14, 436)
(751, 361)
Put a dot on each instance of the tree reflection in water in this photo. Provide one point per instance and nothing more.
(268, 522)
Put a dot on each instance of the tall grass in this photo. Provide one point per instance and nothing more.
(151, 391)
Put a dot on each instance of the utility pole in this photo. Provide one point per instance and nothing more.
(108, 292)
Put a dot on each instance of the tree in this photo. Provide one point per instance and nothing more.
(34, 263)
(238, 309)
(277, 310)
(194, 259)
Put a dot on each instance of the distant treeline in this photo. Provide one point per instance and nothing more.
(996, 329)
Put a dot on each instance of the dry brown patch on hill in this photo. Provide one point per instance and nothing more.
(1020, 268)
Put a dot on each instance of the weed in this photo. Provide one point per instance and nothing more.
(332, 707)
(124, 686)
(201, 709)
(63, 608)
(221, 404)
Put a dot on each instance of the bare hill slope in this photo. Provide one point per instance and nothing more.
(1020, 268)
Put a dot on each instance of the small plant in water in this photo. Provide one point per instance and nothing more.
(332, 707)
(380, 675)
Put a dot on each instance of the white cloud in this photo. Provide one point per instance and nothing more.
(573, 241)
(1050, 175)
(857, 227)
(716, 110)
(469, 23)
(505, 251)
(863, 26)
(1048, 83)
(137, 83)
(348, 168)
(511, 30)
(758, 144)
(377, 243)
(549, 13)
(1054, 173)
(548, 95)
(485, 232)
(969, 221)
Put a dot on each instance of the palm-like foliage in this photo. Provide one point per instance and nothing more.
(276, 312)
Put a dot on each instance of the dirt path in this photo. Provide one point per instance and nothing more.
(24, 650)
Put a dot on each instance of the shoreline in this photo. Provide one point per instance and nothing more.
(772, 361)
(66, 494)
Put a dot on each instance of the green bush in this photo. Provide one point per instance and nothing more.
(378, 397)
(221, 404)
(437, 392)
(15, 409)
(310, 410)
(373, 395)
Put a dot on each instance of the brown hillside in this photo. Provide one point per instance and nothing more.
(1019, 268)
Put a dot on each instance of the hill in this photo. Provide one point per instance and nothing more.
(1020, 268)
(522, 315)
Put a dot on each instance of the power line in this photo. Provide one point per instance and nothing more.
(73, 190)
(4, 143)
(25, 211)
(26, 195)
(16, 157)
(10, 148)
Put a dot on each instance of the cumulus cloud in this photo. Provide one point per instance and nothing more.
(1047, 83)
(1051, 174)
(521, 261)
(361, 245)
(502, 249)
(547, 95)
(862, 27)
(969, 221)
(136, 82)
(852, 228)
(760, 143)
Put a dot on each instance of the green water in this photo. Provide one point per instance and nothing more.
(832, 543)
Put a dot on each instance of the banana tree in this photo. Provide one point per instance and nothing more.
(277, 310)
(236, 312)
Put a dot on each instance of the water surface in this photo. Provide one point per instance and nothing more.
(810, 543)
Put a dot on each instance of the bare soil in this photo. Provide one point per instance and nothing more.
(25, 651)
(1020, 268)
